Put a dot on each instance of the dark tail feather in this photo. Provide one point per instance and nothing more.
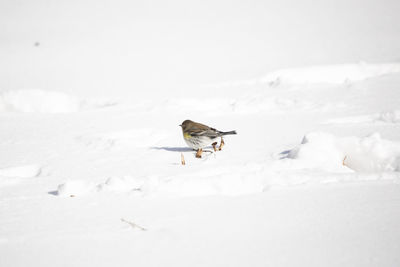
(227, 133)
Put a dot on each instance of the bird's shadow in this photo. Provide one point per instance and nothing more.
(172, 149)
(54, 193)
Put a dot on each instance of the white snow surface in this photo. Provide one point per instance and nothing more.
(345, 73)
(26, 171)
(41, 101)
(311, 178)
(367, 154)
(91, 96)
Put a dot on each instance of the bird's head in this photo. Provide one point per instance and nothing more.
(186, 124)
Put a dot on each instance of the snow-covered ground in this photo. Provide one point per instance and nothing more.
(311, 179)
(90, 147)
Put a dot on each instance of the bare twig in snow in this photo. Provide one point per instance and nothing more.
(183, 159)
(134, 225)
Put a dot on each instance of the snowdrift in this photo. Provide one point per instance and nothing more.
(368, 154)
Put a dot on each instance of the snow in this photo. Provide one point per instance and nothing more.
(74, 188)
(26, 171)
(17, 174)
(367, 154)
(345, 73)
(91, 96)
(392, 116)
(38, 101)
(41, 101)
(318, 151)
(313, 166)
(135, 137)
(314, 170)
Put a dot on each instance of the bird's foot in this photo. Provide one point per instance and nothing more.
(198, 154)
(214, 145)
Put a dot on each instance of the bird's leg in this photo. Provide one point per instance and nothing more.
(214, 145)
(198, 154)
(221, 144)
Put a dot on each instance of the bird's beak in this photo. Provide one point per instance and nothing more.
(180, 125)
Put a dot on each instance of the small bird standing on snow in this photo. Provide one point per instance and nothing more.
(198, 136)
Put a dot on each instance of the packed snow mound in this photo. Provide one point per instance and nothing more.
(368, 154)
(334, 74)
(41, 101)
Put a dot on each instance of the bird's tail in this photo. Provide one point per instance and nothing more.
(228, 133)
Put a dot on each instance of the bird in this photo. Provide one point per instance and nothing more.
(198, 136)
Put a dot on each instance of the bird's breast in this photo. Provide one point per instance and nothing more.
(187, 136)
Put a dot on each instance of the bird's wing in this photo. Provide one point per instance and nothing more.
(210, 132)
